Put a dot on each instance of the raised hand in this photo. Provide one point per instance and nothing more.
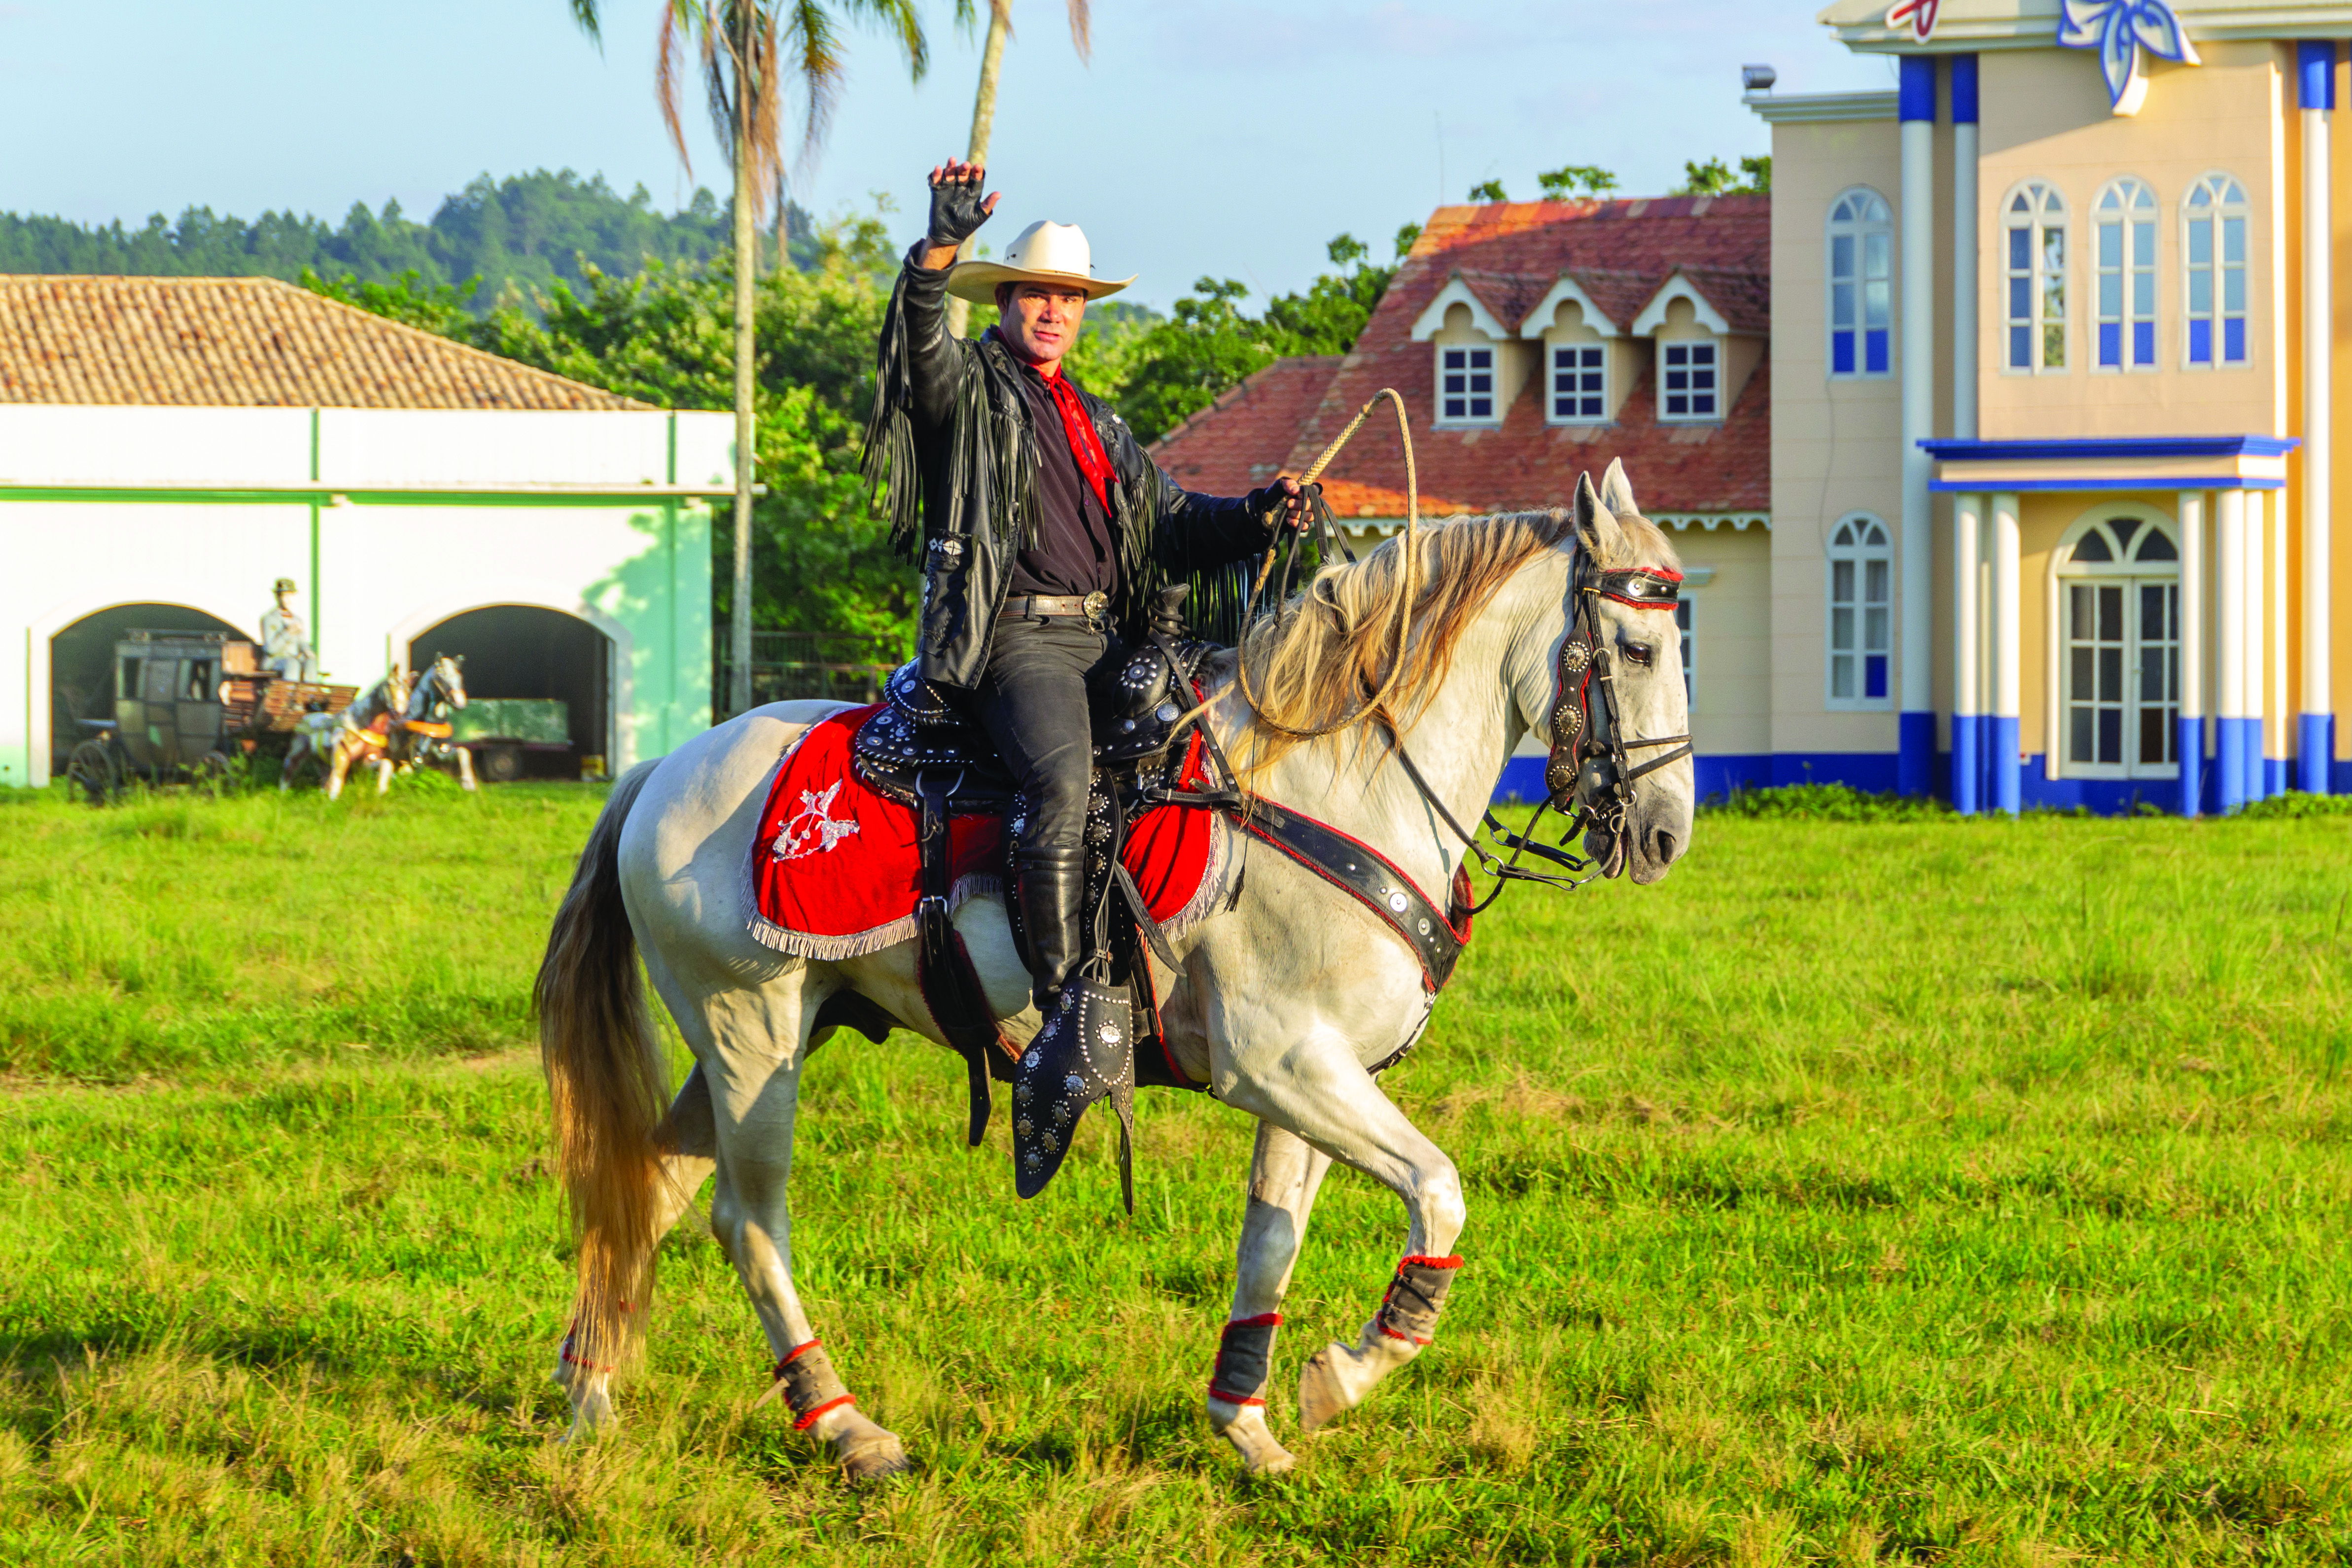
(957, 209)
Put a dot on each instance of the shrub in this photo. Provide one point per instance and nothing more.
(1828, 803)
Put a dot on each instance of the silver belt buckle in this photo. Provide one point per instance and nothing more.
(1097, 604)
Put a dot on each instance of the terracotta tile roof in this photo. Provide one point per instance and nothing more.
(1510, 254)
(1239, 442)
(245, 342)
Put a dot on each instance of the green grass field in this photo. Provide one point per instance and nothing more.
(1922, 1192)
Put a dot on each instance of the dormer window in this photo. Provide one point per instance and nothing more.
(1689, 381)
(1579, 383)
(1465, 384)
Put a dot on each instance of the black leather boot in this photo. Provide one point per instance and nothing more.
(1053, 892)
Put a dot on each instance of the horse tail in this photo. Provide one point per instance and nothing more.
(608, 1088)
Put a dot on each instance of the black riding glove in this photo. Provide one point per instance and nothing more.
(956, 213)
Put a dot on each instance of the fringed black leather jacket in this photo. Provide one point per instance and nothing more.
(951, 454)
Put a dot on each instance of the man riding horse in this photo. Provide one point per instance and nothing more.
(1043, 528)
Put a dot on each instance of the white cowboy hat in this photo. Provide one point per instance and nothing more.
(1042, 253)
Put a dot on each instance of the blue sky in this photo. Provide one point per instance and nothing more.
(1229, 137)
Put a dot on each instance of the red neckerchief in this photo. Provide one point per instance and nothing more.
(1086, 445)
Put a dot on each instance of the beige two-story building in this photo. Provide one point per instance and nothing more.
(2051, 424)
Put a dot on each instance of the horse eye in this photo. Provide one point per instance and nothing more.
(1639, 653)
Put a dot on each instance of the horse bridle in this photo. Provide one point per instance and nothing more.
(1589, 777)
(1588, 772)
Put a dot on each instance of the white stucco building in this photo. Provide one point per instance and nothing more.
(171, 446)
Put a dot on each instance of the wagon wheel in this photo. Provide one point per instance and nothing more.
(501, 764)
(91, 771)
(214, 775)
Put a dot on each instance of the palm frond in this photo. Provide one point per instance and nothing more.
(584, 13)
(1081, 29)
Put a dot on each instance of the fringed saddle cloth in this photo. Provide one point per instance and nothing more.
(834, 864)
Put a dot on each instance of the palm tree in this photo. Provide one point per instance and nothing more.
(745, 47)
(983, 105)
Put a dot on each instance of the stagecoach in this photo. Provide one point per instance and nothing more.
(191, 708)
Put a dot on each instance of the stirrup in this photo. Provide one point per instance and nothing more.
(1086, 1050)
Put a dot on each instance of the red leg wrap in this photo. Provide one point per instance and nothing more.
(1243, 1353)
(1409, 1312)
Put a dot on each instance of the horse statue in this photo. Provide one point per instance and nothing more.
(361, 734)
(1284, 1000)
(421, 737)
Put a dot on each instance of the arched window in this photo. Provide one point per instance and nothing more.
(1862, 301)
(2214, 252)
(2034, 270)
(2125, 216)
(2118, 646)
(1861, 630)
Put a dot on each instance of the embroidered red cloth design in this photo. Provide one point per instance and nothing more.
(1085, 445)
(856, 874)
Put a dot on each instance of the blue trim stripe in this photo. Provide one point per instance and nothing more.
(1916, 96)
(2314, 73)
(1964, 90)
(2314, 750)
(2113, 482)
(1957, 451)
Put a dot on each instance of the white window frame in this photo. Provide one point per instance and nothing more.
(2227, 207)
(1685, 624)
(2124, 292)
(1712, 370)
(1852, 544)
(2066, 572)
(1861, 218)
(2045, 282)
(1494, 353)
(1551, 383)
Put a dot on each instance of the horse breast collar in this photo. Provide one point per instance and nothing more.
(1588, 770)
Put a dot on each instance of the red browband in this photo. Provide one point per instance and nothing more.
(1643, 588)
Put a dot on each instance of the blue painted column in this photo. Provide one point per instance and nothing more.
(1968, 696)
(2190, 738)
(1968, 759)
(2004, 784)
(1916, 725)
(2231, 726)
(2315, 744)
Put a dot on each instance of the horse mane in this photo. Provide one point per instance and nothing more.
(1324, 654)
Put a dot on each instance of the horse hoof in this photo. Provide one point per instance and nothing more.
(874, 1459)
(1322, 1397)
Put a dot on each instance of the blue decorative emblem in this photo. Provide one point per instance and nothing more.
(2119, 30)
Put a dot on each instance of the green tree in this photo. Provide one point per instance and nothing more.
(1488, 191)
(1714, 178)
(1573, 180)
(744, 46)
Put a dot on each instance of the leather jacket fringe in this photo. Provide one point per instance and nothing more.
(951, 462)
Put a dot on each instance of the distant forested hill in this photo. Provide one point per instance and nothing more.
(515, 234)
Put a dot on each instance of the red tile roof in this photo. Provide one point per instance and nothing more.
(1238, 442)
(1510, 254)
(245, 342)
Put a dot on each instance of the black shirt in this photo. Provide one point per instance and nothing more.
(1073, 554)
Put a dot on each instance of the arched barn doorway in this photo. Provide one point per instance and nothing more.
(81, 665)
(521, 651)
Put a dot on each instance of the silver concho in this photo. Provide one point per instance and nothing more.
(1399, 902)
(1033, 1059)
(1074, 1084)
(1061, 1114)
(1165, 713)
(1021, 1092)
(1025, 1126)
(1110, 1033)
(1051, 1142)
(1575, 656)
(1032, 1159)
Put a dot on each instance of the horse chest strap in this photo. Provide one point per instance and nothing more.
(1361, 871)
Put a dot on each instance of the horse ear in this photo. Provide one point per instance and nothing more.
(1596, 526)
(1617, 491)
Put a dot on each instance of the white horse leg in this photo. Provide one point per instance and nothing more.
(338, 764)
(755, 1082)
(465, 768)
(382, 774)
(1284, 1176)
(1321, 1091)
(693, 1144)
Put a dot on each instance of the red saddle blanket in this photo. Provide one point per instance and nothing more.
(835, 865)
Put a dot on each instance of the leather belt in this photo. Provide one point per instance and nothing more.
(1091, 608)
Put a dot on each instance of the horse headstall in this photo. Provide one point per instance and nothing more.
(1589, 773)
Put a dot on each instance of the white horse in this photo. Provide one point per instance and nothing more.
(1280, 1004)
